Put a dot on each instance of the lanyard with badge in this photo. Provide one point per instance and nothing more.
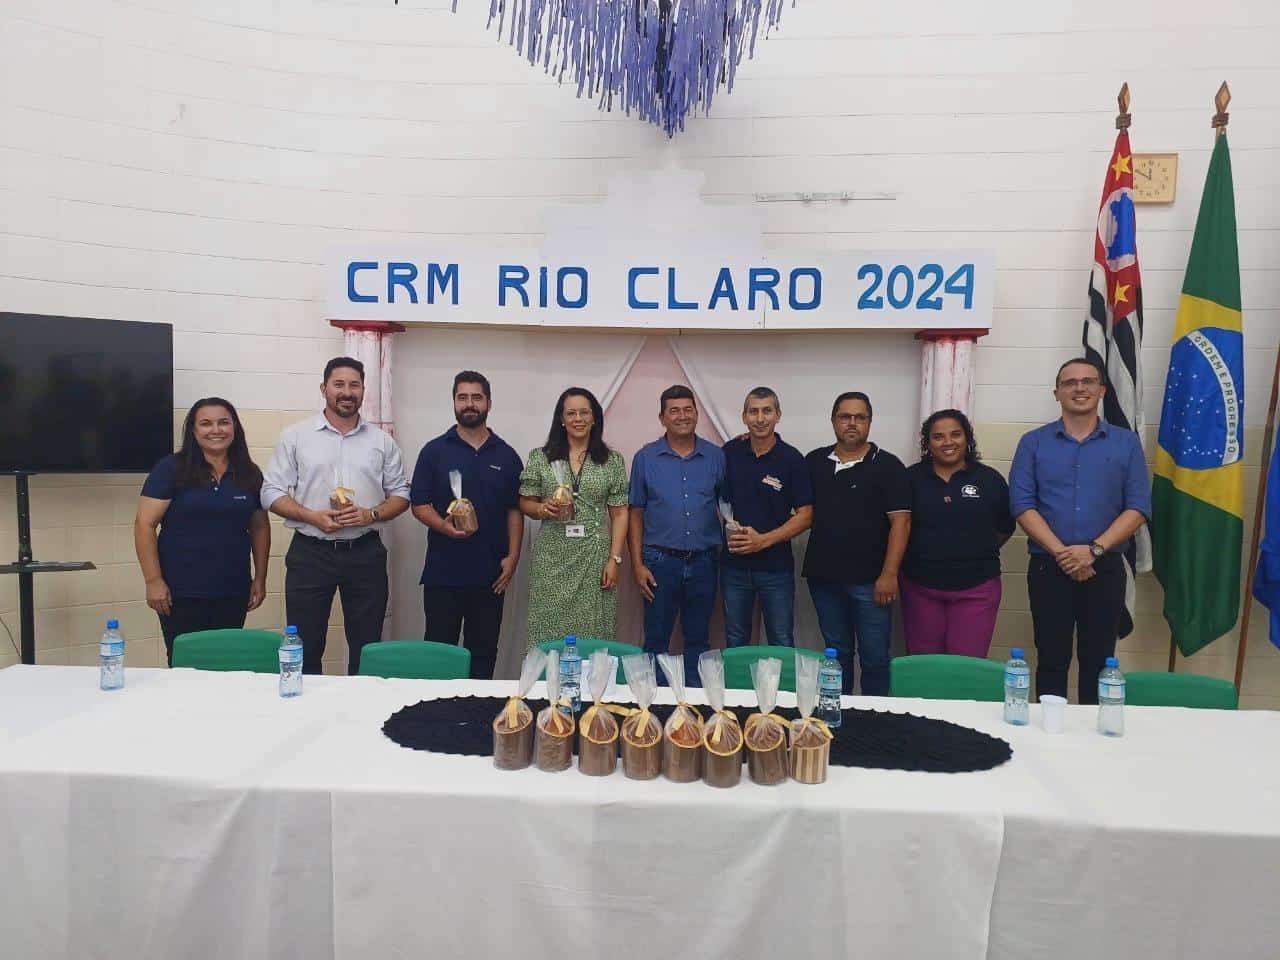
(575, 531)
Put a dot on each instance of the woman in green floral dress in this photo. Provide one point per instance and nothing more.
(573, 587)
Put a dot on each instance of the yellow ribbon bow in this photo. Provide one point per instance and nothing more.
(756, 719)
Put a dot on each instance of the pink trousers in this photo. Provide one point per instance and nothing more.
(949, 621)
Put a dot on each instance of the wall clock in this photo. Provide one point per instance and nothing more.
(1155, 177)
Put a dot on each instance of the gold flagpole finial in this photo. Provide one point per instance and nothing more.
(1123, 119)
(1221, 100)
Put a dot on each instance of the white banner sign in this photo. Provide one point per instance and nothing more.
(901, 290)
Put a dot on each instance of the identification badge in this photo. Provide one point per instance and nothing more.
(575, 531)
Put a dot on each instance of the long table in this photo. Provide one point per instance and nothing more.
(198, 815)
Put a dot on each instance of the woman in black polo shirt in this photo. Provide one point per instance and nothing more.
(204, 498)
(959, 520)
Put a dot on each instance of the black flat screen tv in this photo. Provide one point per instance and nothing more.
(79, 395)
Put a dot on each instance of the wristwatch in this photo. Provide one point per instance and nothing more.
(616, 559)
(374, 513)
(1097, 549)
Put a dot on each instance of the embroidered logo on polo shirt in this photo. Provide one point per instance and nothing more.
(241, 496)
(494, 466)
(771, 481)
(969, 491)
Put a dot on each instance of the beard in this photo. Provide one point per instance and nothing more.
(470, 418)
(344, 406)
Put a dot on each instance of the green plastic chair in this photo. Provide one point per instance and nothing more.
(738, 660)
(254, 650)
(415, 660)
(1179, 690)
(944, 676)
(588, 646)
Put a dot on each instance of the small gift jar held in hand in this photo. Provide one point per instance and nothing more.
(461, 512)
(562, 496)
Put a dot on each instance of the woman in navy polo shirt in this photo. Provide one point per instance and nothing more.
(959, 520)
(204, 499)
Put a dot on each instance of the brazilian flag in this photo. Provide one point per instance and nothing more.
(1197, 523)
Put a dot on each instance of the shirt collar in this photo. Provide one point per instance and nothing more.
(452, 434)
(322, 423)
(750, 452)
(1101, 430)
(665, 448)
(870, 455)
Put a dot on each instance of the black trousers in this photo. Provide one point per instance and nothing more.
(1089, 611)
(189, 614)
(476, 612)
(357, 569)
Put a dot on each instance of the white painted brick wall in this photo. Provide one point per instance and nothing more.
(171, 160)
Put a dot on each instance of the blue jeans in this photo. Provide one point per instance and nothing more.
(687, 589)
(849, 617)
(777, 592)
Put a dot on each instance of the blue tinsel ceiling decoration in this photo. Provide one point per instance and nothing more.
(661, 59)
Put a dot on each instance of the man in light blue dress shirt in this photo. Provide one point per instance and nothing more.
(1079, 488)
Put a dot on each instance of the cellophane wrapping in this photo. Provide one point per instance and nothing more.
(462, 512)
(513, 726)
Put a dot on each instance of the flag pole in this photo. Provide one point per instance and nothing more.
(1221, 100)
(1258, 505)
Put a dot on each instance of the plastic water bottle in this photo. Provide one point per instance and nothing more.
(111, 657)
(1111, 699)
(290, 663)
(571, 673)
(830, 683)
(1017, 688)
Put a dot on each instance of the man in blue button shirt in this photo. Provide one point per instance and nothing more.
(674, 529)
(465, 577)
(767, 485)
(1079, 489)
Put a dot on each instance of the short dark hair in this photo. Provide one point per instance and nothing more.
(762, 393)
(349, 362)
(852, 395)
(676, 391)
(470, 376)
(1102, 374)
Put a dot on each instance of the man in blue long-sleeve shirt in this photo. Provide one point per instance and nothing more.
(674, 529)
(1079, 489)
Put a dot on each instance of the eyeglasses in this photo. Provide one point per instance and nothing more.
(853, 418)
(576, 415)
(1072, 384)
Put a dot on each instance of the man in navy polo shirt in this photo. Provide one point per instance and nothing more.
(466, 574)
(674, 529)
(767, 485)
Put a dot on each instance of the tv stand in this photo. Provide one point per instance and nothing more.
(26, 568)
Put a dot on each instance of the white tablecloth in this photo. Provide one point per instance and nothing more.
(198, 815)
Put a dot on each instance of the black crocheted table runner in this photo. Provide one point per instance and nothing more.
(866, 738)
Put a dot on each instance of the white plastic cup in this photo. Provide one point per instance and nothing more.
(1052, 712)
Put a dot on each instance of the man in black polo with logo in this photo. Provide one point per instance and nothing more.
(466, 574)
(861, 522)
(767, 485)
